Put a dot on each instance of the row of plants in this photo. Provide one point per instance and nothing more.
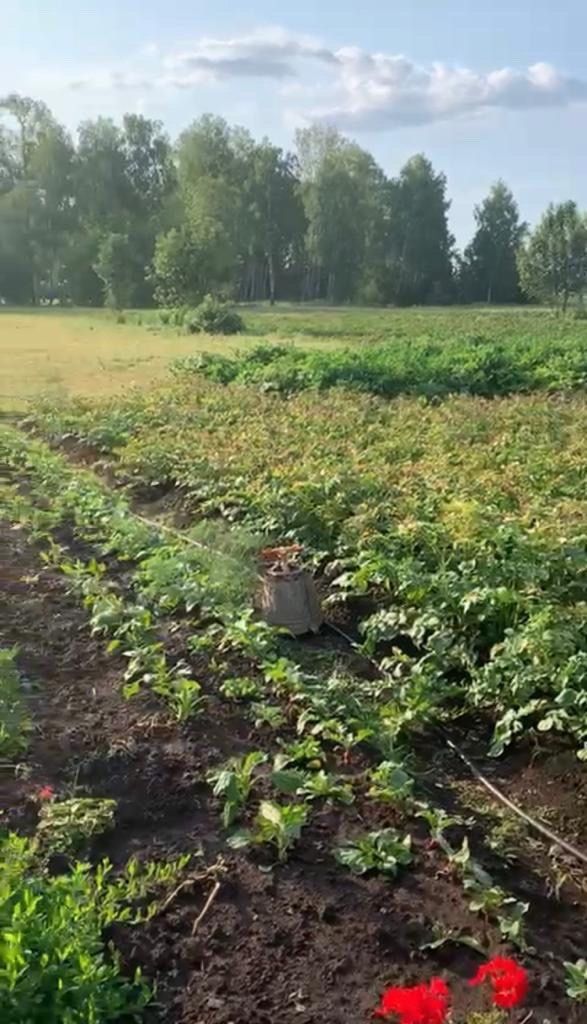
(474, 364)
(463, 525)
(332, 713)
(15, 722)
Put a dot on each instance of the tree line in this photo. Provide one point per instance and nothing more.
(121, 216)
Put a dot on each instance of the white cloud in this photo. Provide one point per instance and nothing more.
(358, 90)
(377, 91)
(266, 53)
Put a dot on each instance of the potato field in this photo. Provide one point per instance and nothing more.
(204, 820)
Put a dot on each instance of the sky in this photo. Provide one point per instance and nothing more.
(485, 88)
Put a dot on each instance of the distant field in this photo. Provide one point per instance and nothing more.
(89, 353)
(81, 353)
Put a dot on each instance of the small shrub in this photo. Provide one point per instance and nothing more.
(120, 318)
(55, 968)
(213, 317)
(65, 826)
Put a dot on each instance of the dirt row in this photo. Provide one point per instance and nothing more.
(304, 942)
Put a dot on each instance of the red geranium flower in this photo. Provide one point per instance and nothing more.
(421, 1004)
(46, 793)
(508, 980)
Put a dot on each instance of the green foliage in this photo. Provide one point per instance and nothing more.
(114, 267)
(55, 968)
(462, 523)
(489, 271)
(469, 364)
(270, 715)
(418, 261)
(183, 695)
(390, 783)
(322, 786)
(576, 980)
(553, 265)
(278, 825)
(15, 724)
(65, 826)
(384, 851)
(240, 688)
(234, 782)
(213, 317)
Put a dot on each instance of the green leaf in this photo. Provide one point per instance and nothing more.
(287, 781)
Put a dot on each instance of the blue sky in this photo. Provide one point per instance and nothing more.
(485, 89)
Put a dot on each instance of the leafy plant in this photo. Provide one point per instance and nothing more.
(234, 782)
(240, 688)
(278, 825)
(267, 714)
(55, 967)
(390, 783)
(312, 785)
(307, 752)
(66, 825)
(384, 851)
(15, 724)
(322, 786)
(576, 980)
(183, 695)
(493, 902)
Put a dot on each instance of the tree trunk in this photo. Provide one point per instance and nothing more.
(271, 268)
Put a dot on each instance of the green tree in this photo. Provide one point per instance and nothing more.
(419, 246)
(553, 264)
(340, 186)
(35, 202)
(276, 222)
(123, 182)
(490, 270)
(117, 267)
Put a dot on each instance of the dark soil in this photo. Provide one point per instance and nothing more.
(302, 943)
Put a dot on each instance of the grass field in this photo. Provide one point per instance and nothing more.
(85, 353)
(88, 353)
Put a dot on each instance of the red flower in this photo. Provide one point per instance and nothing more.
(46, 793)
(421, 1004)
(508, 980)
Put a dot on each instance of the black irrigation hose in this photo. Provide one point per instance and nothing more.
(489, 786)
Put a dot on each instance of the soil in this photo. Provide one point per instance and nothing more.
(300, 943)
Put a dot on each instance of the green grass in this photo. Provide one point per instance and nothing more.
(87, 353)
